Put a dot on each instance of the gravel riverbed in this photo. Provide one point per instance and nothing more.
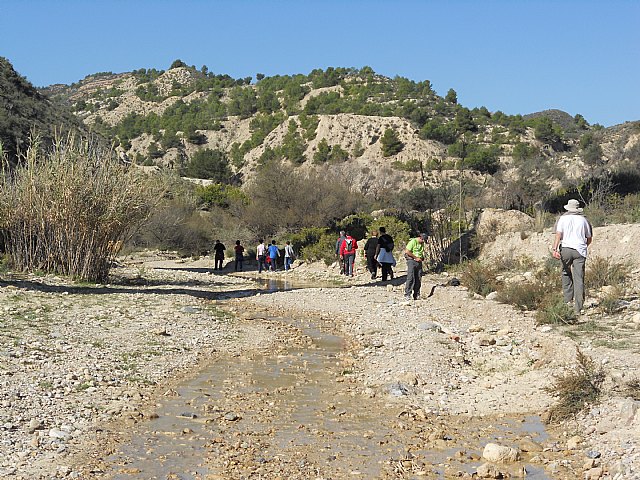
(82, 364)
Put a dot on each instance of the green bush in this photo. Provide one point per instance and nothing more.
(221, 195)
(306, 238)
(324, 249)
(398, 229)
(413, 165)
(356, 225)
(391, 144)
(209, 164)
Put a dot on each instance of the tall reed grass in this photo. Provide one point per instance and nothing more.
(69, 209)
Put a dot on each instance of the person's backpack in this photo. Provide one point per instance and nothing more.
(388, 244)
(348, 244)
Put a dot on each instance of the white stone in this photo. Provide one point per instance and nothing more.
(500, 454)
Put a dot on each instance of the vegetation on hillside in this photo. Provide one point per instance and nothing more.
(24, 110)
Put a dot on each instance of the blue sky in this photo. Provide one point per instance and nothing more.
(518, 56)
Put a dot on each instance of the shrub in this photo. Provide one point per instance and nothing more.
(576, 388)
(221, 195)
(310, 243)
(413, 165)
(554, 310)
(524, 295)
(209, 164)
(391, 144)
(398, 229)
(355, 225)
(324, 249)
(68, 211)
(610, 303)
(479, 278)
(603, 271)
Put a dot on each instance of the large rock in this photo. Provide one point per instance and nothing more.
(495, 221)
(500, 454)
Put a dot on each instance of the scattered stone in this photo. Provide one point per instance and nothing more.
(594, 473)
(188, 415)
(59, 434)
(485, 340)
(488, 470)
(574, 442)
(500, 454)
(398, 390)
(528, 445)
(34, 424)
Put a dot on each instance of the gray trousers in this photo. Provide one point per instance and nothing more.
(414, 278)
(573, 277)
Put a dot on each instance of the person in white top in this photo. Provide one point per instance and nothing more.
(573, 234)
(289, 256)
(261, 256)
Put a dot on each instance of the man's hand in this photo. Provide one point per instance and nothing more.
(556, 254)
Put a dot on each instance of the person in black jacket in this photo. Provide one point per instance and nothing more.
(370, 253)
(385, 245)
(219, 249)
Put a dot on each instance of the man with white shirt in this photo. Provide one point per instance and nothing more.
(573, 234)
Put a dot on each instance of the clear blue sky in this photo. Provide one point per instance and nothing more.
(581, 56)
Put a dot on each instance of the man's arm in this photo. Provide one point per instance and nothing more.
(556, 245)
(411, 255)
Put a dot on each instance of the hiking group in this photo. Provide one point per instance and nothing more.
(572, 237)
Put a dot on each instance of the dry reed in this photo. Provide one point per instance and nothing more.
(68, 210)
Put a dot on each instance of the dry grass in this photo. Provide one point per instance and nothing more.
(554, 310)
(68, 210)
(603, 271)
(479, 278)
(529, 295)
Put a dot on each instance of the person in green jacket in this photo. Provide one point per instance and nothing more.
(414, 253)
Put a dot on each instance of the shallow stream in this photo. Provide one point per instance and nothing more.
(298, 414)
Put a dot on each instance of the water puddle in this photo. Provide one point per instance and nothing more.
(299, 415)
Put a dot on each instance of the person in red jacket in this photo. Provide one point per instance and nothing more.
(348, 253)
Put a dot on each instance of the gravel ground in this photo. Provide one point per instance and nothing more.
(77, 359)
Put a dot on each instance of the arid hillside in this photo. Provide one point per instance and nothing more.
(385, 134)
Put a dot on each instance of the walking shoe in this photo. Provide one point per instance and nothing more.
(417, 297)
(408, 298)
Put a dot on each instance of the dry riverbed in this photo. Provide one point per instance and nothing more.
(83, 368)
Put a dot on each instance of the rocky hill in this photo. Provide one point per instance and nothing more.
(23, 109)
(386, 134)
